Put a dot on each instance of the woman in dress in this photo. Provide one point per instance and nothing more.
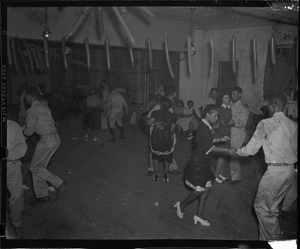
(92, 117)
(198, 174)
(224, 126)
(162, 138)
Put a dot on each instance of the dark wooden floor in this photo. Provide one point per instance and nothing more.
(110, 196)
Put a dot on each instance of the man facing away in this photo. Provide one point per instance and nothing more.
(173, 166)
(16, 148)
(40, 121)
(240, 114)
(278, 136)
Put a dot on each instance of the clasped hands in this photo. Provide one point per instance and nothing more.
(232, 152)
(159, 125)
(224, 139)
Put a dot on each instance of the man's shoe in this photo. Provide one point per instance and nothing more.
(40, 200)
(18, 231)
(61, 190)
(149, 173)
(122, 137)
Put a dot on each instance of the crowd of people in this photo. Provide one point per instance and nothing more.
(221, 130)
(217, 125)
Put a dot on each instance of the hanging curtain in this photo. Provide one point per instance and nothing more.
(279, 76)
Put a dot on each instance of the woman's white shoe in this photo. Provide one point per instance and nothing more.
(218, 180)
(178, 210)
(202, 222)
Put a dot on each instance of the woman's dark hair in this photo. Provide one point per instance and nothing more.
(166, 103)
(180, 100)
(190, 101)
(209, 109)
(219, 101)
(34, 92)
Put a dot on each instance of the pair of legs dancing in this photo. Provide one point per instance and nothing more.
(95, 132)
(219, 169)
(200, 195)
(112, 131)
(166, 170)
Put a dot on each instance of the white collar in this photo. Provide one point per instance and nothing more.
(225, 106)
(207, 123)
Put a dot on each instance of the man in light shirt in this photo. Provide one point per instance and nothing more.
(16, 148)
(240, 114)
(278, 136)
(39, 120)
(115, 104)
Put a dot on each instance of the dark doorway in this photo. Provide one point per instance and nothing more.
(227, 78)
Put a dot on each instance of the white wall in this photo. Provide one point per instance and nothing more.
(199, 84)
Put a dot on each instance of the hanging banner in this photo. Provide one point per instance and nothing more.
(254, 51)
(121, 20)
(9, 59)
(30, 59)
(212, 57)
(64, 53)
(101, 22)
(20, 52)
(297, 51)
(130, 52)
(168, 58)
(78, 23)
(149, 46)
(107, 51)
(189, 54)
(87, 51)
(233, 60)
(46, 53)
(272, 47)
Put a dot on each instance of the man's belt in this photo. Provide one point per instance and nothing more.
(278, 164)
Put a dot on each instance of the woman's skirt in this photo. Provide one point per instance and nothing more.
(92, 118)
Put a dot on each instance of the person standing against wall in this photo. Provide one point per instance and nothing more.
(278, 135)
(40, 121)
(16, 148)
(240, 114)
(115, 112)
(199, 107)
